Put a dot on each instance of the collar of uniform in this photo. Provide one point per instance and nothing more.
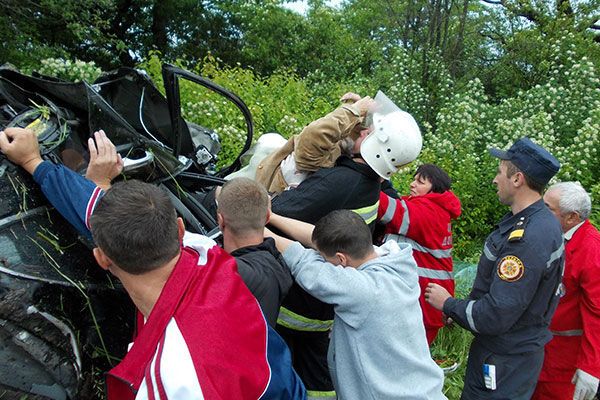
(364, 169)
(508, 222)
(569, 234)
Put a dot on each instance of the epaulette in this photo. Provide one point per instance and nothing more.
(518, 230)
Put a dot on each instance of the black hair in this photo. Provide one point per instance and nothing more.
(512, 169)
(440, 181)
(343, 231)
(135, 225)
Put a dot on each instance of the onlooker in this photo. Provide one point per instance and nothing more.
(201, 333)
(572, 361)
(423, 220)
(242, 212)
(515, 291)
(378, 346)
(392, 140)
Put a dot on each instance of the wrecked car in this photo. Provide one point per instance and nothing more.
(63, 320)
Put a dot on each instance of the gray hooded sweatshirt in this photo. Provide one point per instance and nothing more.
(378, 346)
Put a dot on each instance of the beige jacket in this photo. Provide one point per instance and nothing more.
(317, 146)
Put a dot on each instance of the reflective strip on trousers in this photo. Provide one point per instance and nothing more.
(297, 322)
(572, 332)
(317, 395)
(369, 213)
(436, 253)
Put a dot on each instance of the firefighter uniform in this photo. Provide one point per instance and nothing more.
(515, 292)
(512, 302)
(305, 322)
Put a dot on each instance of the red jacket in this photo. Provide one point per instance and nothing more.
(205, 338)
(424, 222)
(576, 323)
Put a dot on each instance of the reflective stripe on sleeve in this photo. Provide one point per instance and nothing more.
(572, 332)
(369, 213)
(469, 312)
(435, 273)
(556, 255)
(488, 253)
(405, 221)
(297, 322)
(389, 212)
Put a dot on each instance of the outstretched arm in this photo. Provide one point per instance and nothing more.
(313, 147)
(70, 193)
(21, 147)
(297, 230)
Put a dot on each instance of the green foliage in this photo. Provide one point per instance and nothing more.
(452, 345)
(459, 122)
(76, 71)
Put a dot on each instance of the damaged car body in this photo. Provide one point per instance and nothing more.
(63, 320)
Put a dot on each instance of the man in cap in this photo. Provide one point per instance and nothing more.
(516, 288)
(572, 361)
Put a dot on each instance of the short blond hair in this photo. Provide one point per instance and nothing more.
(244, 204)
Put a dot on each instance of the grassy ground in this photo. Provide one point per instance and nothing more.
(452, 343)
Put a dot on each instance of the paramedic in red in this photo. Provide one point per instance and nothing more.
(423, 219)
(572, 361)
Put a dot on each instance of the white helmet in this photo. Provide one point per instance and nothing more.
(395, 140)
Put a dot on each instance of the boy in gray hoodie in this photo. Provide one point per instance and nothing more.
(378, 346)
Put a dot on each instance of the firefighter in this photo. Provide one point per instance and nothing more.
(515, 291)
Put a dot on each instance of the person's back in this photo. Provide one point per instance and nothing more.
(242, 212)
(378, 346)
(353, 183)
(379, 333)
(201, 333)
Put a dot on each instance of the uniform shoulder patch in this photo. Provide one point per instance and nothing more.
(510, 269)
(518, 230)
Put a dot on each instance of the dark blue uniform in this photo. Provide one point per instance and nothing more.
(509, 309)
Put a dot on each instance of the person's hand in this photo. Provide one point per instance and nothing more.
(586, 385)
(21, 147)
(364, 105)
(436, 295)
(350, 98)
(105, 163)
(447, 321)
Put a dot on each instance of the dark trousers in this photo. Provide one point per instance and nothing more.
(516, 374)
(309, 357)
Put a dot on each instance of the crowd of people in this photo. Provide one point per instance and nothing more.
(329, 284)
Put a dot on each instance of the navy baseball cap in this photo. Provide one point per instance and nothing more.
(535, 161)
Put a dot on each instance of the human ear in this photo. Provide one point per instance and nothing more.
(342, 258)
(103, 261)
(180, 229)
(220, 221)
